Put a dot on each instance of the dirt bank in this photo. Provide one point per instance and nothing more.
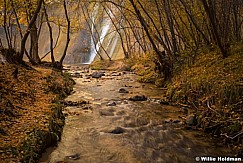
(31, 116)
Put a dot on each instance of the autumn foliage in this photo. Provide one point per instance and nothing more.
(30, 117)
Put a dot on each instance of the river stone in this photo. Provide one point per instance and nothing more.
(106, 113)
(123, 90)
(76, 74)
(176, 121)
(121, 113)
(138, 98)
(117, 130)
(74, 103)
(164, 102)
(191, 120)
(113, 103)
(97, 74)
(73, 157)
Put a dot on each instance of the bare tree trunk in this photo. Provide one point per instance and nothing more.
(236, 24)
(5, 24)
(157, 35)
(34, 43)
(58, 36)
(20, 30)
(51, 37)
(68, 36)
(31, 23)
(90, 29)
(194, 22)
(118, 31)
(168, 14)
(216, 36)
(164, 64)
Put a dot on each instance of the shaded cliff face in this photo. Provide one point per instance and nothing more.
(107, 41)
(78, 50)
(94, 37)
(86, 42)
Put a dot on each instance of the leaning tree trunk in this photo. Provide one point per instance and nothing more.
(163, 62)
(20, 30)
(51, 37)
(216, 35)
(34, 42)
(5, 25)
(59, 65)
(31, 23)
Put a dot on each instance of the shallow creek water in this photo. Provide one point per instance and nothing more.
(112, 128)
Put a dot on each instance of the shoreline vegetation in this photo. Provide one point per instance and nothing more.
(210, 89)
(31, 112)
(31, 117)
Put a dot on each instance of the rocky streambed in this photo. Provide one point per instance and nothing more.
(112, 118)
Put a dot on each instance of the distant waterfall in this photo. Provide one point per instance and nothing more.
(114, 44)
(105, 27)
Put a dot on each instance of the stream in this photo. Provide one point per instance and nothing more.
(112, 128)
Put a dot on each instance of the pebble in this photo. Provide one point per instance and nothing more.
(123, 90)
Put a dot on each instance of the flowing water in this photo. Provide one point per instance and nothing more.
(112, 128)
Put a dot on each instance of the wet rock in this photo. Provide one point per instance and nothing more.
(67, 67)
(185, 110)
(164, 102)
(117, 130)
(138, 98)
(176, 121)
(113, 103)
(124, 102)
(191, 120)
(73, 103)
(106, 113)
(121, 113)
(73, 157)
(169, 121)
(116, 74)
(123, 90)
(87, 108)
(166, 121)
(77, 74)
(97, 74)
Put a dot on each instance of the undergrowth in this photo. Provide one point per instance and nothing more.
(31, 116)
(213, 87)
(144, 67)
